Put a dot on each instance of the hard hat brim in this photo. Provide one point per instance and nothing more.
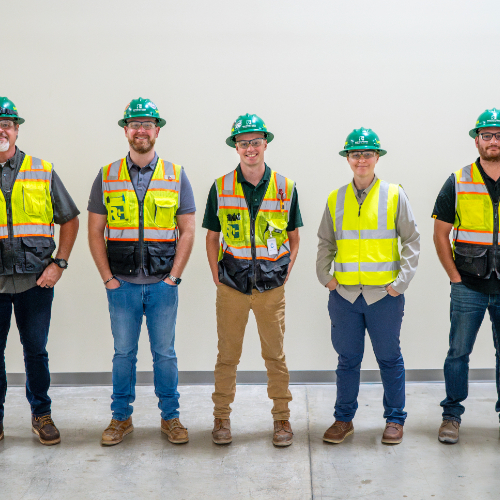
(474, 132)
(344, 152)
(230, 140)
(15, 118)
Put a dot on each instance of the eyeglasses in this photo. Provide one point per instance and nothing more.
(254, 142)
(487, 136)
(365, 154)
(144, 125)
(7, 124)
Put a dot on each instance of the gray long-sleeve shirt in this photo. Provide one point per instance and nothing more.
(406, 227)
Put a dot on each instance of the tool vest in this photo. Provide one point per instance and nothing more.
(26, 220)
(366, 237)
(244, 259)
(141, 234)
(475, 229)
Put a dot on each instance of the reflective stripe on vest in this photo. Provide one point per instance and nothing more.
(473, 208)
(234, 217)
(160, 203)
(32, 212)
(366, 236)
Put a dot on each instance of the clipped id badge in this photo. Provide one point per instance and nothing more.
(272, 248)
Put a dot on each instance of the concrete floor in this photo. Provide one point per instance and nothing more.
(146, 466)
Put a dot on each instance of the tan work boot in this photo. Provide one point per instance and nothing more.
(175, 431)
(116, 431)
(338, 431)
(393, 433)
(45, 429)
(283, 435)
(222, 431)
(448, 431)
(1, 430)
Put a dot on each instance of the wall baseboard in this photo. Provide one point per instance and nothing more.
(251, 377)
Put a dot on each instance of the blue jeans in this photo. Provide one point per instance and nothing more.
(467, 310)
(32, 310)
(383, 321)
(127, 305)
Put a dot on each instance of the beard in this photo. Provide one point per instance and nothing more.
(143, 147)
(4, 146)
(487, 156)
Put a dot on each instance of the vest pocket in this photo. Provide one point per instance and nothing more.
(121, 259)
(160, 258)
(472, 213)
(273, 274)
(234, 273)
(471, 260)
(164, 212)
(37, 252)
(34, 200)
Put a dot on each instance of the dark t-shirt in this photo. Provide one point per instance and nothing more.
(444, 209)
(254, 196)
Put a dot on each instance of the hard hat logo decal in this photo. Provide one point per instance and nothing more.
(237, 124)
(249, 122)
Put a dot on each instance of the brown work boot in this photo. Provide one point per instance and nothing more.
(338, 431)
(283, 435)
(45, 429)
(175, 431)
(222, 431)
(116, 431)
(1, 430)
(448, 432)
(393, 433)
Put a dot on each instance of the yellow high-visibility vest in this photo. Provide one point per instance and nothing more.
(32, 212)
(141, 234)
(160, 203)
(474, 210)
(366, 236)
(272, 217)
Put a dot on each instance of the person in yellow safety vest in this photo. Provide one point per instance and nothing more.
(359, 233)
(141, 233)
(468, 205)
(256, 212)
(32, 199)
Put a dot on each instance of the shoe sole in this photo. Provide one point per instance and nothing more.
(112, 443)
(283, 444)
(222, 441)
(43, 441)
(171, 440)
(337, 441)
(447, 440)
(392, 441)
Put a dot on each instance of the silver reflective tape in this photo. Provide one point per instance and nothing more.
(379, 267)
(383, 198)
(123, 234)
(339, 207)
(160, 234)
(346, 267)
(36, 229)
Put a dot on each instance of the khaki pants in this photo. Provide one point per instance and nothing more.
(233, 308)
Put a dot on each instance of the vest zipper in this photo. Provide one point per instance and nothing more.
(252, 234)
(141, 217)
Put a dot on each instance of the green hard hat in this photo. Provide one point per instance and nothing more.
(141, 108)
(8, 110)
(362, 138)
(248, 123)
(490, 118)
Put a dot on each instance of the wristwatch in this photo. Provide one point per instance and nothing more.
(63, 264)
(177, 281)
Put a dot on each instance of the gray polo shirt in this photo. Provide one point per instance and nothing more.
(140, 178)
(62, 204)
(406, 228)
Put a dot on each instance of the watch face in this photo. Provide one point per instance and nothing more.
(63, 264)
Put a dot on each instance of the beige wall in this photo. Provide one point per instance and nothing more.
(418, 73)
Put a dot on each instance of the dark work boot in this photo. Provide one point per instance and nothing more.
(45, 429)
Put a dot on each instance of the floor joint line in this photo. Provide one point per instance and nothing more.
(309, 444)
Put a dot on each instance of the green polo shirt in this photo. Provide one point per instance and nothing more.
(253, 196)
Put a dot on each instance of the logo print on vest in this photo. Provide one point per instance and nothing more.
(117, 208)
(233, 228)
